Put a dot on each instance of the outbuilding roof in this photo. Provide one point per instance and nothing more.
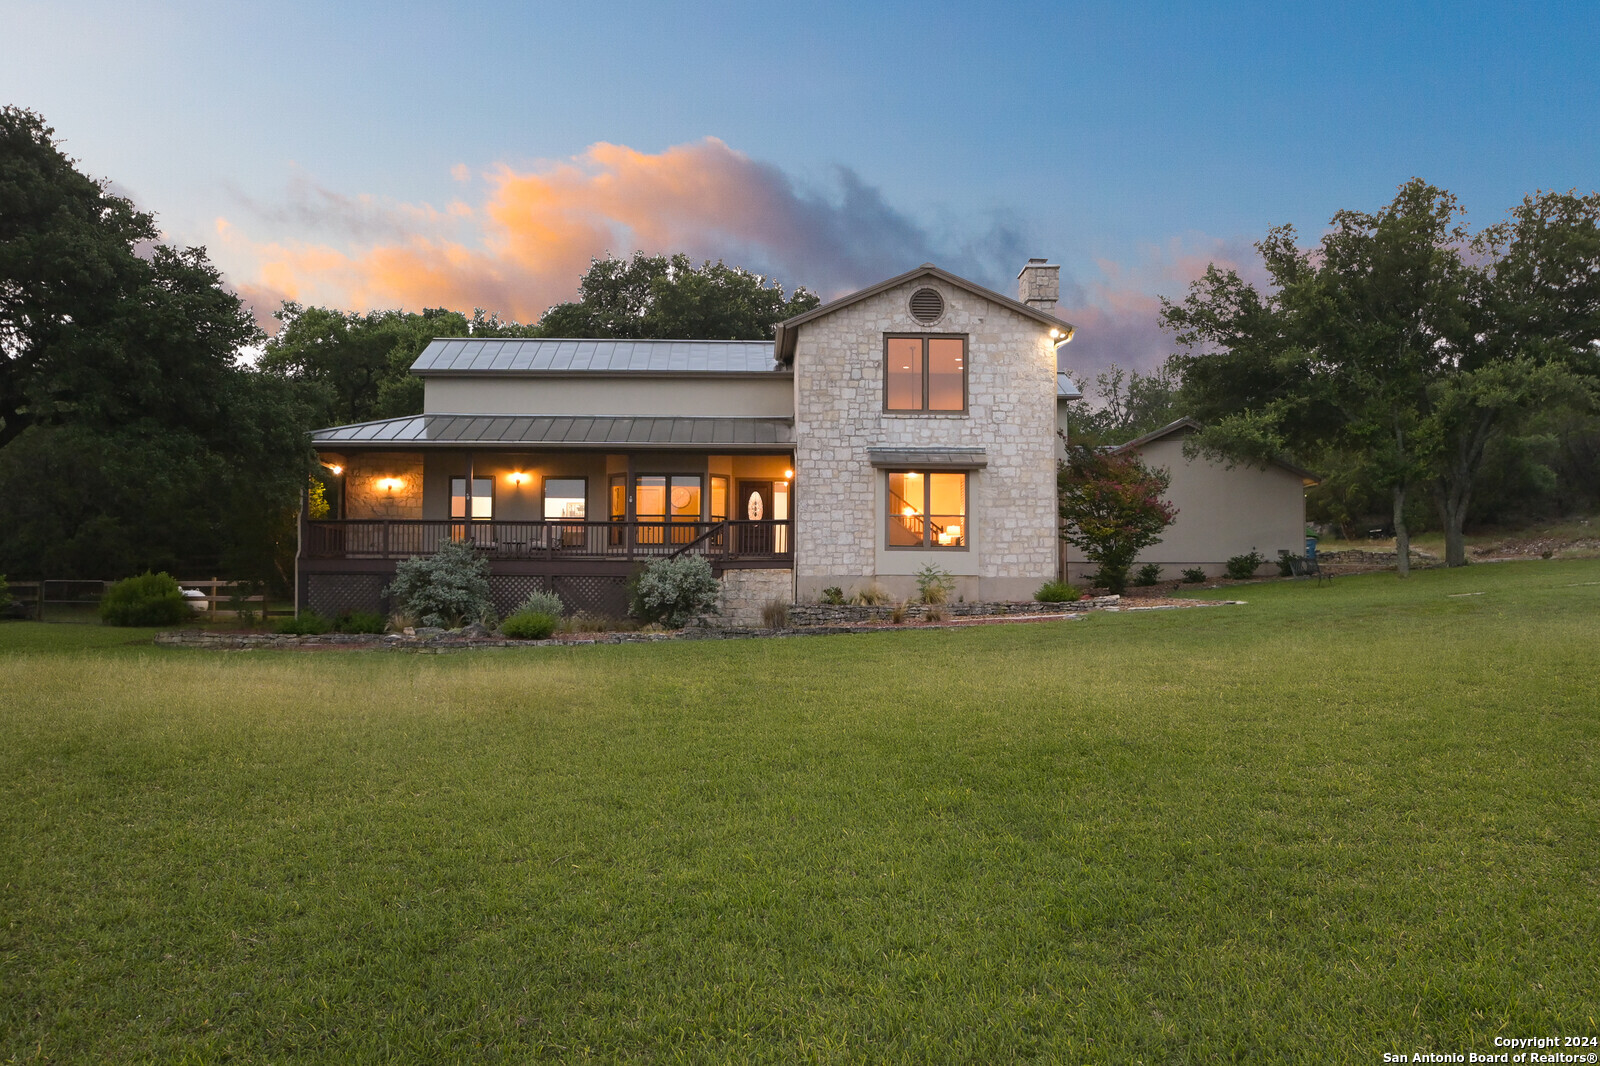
(1189, 425)
(516, 355)
(569, 431)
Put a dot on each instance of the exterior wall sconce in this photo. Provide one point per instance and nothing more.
(788, 475)
(334, 468)
(517, 477)
(390, 484)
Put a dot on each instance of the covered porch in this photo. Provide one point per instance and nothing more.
(568, 504)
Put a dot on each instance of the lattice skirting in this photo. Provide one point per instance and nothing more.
(330, 595)
(594, 594)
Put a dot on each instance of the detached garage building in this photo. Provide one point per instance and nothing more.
(1222, 512)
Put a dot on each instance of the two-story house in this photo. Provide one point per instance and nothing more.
(907, 424)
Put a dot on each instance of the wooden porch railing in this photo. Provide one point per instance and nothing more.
(381, 538)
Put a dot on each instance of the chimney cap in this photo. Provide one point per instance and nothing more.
(1036, 263)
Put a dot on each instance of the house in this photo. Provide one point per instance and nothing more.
(1223, 511)
(905, 425)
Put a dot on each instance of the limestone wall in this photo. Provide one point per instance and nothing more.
(383, 485)
(745, 592)
(839, 415)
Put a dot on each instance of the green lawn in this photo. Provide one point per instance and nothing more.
(1335, 822)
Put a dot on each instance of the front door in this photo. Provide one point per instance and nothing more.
(754, 505)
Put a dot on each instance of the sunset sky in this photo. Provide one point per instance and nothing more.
(477, 155)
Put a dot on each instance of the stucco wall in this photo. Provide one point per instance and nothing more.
(839, 415)
(752, 395)
(1221, 513)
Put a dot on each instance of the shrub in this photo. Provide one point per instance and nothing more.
(933, 614)
(775, 614)
(935, 584)
(1111, 508)
(1194, 575)
(530, 625)
(872, 594)
(146, 600)
(542, 602)
(359, 622)
(833, 595)
(1056, 592)
(898, 614)
(305, 624)
(448, 588)
(1245, 566)
(674, 591)
(1286, 565)
(1148, 575)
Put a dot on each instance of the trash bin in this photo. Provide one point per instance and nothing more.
(1311, 545)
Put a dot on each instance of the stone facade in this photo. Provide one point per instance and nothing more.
(1011, 415)
(369, 489)
(745, 592)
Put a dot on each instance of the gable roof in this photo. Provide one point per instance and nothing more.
(520, 355)
(1186, 425)
(786, 333)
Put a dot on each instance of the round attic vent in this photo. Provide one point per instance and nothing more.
(927, 305)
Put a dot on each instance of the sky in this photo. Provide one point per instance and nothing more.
(380, 155)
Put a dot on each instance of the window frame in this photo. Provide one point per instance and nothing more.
(966, 374)
(928, 543)
(544, 497)
(469, 496)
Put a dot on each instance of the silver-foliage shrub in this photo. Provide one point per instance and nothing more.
(674, 591)
(449, 588)
(542, 602)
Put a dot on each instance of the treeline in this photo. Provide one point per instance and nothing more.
(1438, 377)
(135, 435)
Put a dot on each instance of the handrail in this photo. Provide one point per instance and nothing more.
(713, 528)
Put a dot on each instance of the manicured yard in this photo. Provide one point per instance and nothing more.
(1335, 822)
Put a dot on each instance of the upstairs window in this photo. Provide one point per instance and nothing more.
(924, 373)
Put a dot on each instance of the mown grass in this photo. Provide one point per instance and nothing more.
(1334, 822)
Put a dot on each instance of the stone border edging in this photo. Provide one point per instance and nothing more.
(447, 641)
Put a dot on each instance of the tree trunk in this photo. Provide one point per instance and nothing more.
(1402, 536)
(1452, 499)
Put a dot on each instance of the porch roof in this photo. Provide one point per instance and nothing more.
(567, 431)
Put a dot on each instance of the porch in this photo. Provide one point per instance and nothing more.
(766, 544)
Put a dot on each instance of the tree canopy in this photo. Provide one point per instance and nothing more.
(130, 435)
(669, 298)
(1402, 343)
(1128, 405)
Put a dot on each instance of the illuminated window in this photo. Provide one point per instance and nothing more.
(565, 497)
(925, 374)
(477, 503)
(927, 509)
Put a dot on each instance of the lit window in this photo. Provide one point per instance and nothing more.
(476, 504)
(565, 497)
(925, 374)
(927, 510)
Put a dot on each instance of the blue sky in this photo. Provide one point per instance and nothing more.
(402, 154)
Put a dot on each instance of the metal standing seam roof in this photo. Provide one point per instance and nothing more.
(568, 430)
(495, 355)
(1066, 389)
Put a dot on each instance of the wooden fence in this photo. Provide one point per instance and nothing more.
(71, 599)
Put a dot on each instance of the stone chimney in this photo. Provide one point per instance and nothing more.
(1039, 285)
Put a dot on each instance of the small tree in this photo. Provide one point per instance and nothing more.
(1111, 508)
(448, 588)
